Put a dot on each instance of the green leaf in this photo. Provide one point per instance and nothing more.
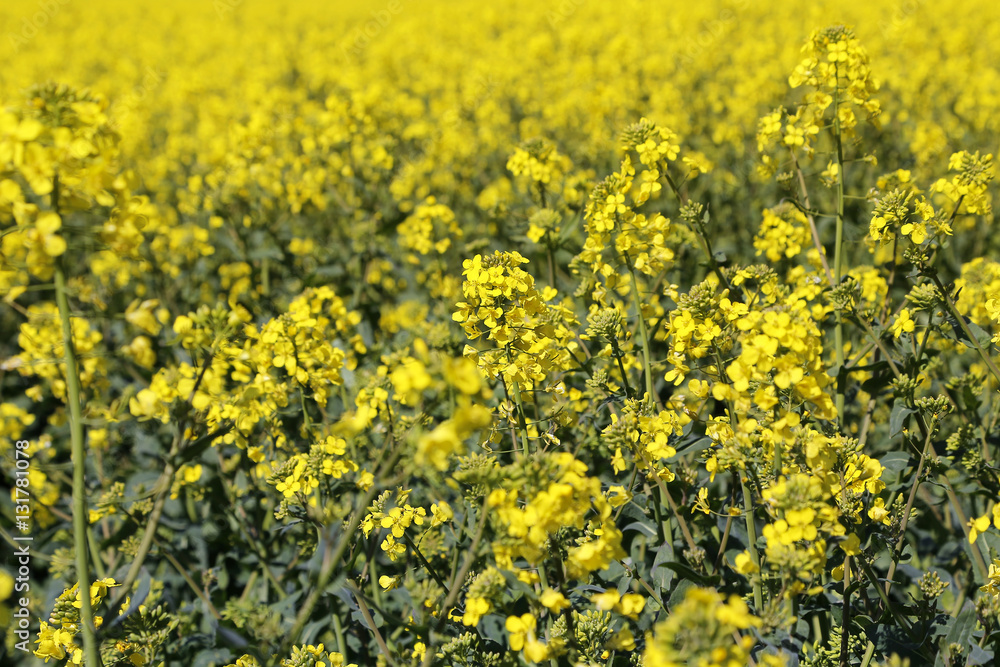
(881, 376)
(212, 656)
(895, 462)
(680, 592)
(689, 574)
(960, 630)
(195, 449)
(694, 446)
(982, 337)
(898, 417)
(660, 573)
(978, 656)
(641, 527)
(136, 600)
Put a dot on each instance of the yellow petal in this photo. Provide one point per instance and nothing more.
(55, 245)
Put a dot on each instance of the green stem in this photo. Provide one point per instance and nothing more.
(649, 589)
(631, 485)
(96, 555)
(455, 588)
(900, 618)
(202, 595)
(927, 334)
(705, 240)
(470, 556)
(906, 512)
(662, 533)
(965, 327)
(723, 542)
(149, 534)
(758, 595)
(777, 470)
(621, 367)
(817, 631)
(334, 555)
(710, 252)
(338, 632)
(845, 632)
(543, 579)
(873, 580)
(672, 504)
(239, 514)
(423, 561)
(646, 366)
(250, 586)
(838, 334)
(521, 423)
(552, 262)
(977, 555)
(869, 652)
(371, 623)
(80, 513)
(878, 342)
(820, 250)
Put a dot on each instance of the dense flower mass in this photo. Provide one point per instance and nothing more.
(419, 333)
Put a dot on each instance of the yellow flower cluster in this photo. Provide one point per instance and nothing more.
(245, 374)
(501, 300)
(447, 439)
(617, 234)
(909, 211)
(301, 474)
(306, 655)
(58, 638)
(267, 222)
(500, 295)
(43, 353)
(967, 189)
(540, 163)
(58, 145)
(704, 629)
(397, 519)
(565, 499)
(782, 234)
(993, 585)
(646, 436)
(431, 227)
(301, 343)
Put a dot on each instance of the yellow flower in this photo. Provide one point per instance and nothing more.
(53, 642)
(978, 525)
(992, 586)
(99, 589)
(878, 513)
(392, 548)
(142, 315)
(851, 545)
(631, 605)
(475, 609)
(606, 600)
(903, 323)
(715, 621)
(744, 563)
(522, 637)
(553, 600)
(6, 585)
(623, 640)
